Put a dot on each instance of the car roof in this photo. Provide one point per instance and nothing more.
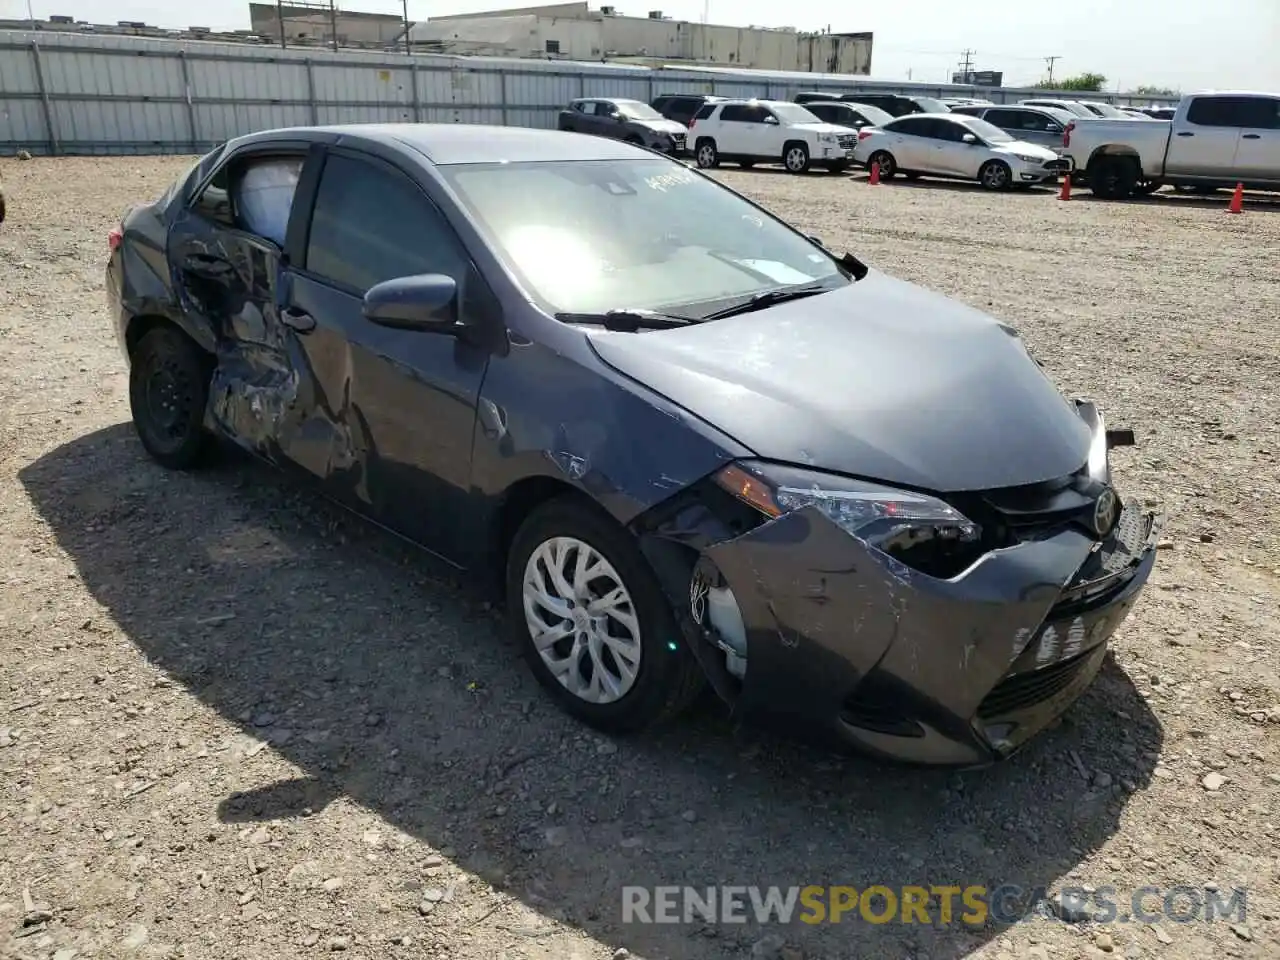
(445, 144)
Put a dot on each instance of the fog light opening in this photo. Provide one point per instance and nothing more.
(716, 612)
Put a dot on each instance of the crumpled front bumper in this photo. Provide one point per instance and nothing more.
(847, 644)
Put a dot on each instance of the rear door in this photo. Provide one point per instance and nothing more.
(228, 252)
(1204, 143)
(401, 402)
(1258, 153)
(911, 143)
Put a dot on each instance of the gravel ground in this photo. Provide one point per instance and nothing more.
(236, 723)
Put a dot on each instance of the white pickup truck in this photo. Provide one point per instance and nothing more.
(1214, 140)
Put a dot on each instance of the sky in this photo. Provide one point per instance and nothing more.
(1181, 44)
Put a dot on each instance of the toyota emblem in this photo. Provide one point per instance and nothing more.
(1105, 512)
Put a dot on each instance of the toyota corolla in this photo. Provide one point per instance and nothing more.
(693, 445)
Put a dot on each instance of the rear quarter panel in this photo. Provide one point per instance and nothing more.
(1147, 142)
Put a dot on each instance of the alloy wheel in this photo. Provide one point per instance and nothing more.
(795, 159)
(582, 620)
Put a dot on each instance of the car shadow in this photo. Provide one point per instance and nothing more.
(1177, 200)
(383, 678)
(959, 186)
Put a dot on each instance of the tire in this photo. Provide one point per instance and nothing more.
(795, 157)
(837, 166)
(706, 154)
(1113, 178)
(168, 391)
(995, 175)
(664, 676)
(888, 165)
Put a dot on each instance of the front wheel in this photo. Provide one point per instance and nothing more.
(995, 175)
(168, 390)
(796, 158)
(706, 154)
(592, 620)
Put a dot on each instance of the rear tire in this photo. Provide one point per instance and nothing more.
(888, 166)
(168, 391)
(1113, 178)
(706, 154)
(646, 673)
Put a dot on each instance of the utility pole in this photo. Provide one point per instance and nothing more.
(280, 17)
(966, 65)
(1050, 61)
(408, 47)
(333, 22)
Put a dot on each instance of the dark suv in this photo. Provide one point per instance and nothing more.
(894, 104)
(682, 107)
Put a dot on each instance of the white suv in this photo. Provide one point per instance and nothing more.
(747, 132)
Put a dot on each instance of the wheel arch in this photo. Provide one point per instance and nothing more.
(1110, 150)
(142, 324)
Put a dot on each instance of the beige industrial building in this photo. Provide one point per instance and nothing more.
(315, 22)
(573, 31)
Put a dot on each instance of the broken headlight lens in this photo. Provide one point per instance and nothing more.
(919, 530)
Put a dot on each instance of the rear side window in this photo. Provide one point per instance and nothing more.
(913, 127)
(371, 224)
(255, 196)
(1257, 112)
(705, 111)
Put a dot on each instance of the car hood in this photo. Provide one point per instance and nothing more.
(1028, 149)
(662, 126)
(881, 379)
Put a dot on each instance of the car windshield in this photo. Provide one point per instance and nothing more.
(987, 131)
(1107, 110)
(930, 105)
(648, 234)
(635, 110)
(793, 113)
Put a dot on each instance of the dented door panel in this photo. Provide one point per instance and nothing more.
(401, 407)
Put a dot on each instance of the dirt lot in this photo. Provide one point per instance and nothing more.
(236, 723)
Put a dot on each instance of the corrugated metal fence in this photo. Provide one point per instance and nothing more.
(71, 94)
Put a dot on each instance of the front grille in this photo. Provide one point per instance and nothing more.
(847, 141)
(1058, 164)
(1024, 690)
(678, 139)
(1108, 568)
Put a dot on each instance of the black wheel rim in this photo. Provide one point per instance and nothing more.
(168, 402)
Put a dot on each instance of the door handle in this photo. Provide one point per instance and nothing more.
(298, 320)
(1185, 133)
(1250, 136)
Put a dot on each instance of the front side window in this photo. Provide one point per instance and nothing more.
(635, 110)
(372, 224)
(1255, 112)
(987, 131)
(586, 237)
(738, 113)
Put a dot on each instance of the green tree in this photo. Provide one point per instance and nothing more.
(1150, 91)
(1085, 82)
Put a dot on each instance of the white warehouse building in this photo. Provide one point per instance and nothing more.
(573, 31)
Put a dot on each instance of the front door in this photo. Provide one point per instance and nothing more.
(1258, 153)
(402, 402)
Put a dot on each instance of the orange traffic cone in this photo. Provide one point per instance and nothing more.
(1237, 200)
(1065, 192)
(875, 174)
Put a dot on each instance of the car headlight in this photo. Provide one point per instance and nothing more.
(916, 529)
(1026, 159)
(826, 138)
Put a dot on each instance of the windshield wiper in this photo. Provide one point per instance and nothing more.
(628, 321)
(767, 298)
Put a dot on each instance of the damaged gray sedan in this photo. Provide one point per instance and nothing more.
(695, 445)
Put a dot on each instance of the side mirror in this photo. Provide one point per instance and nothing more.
(426, 302)
(618, 118)
(969, 138)
(771, 119)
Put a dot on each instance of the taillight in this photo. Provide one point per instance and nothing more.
(1066, 134)
(863, 134)
(693, 121)
(115, 238)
